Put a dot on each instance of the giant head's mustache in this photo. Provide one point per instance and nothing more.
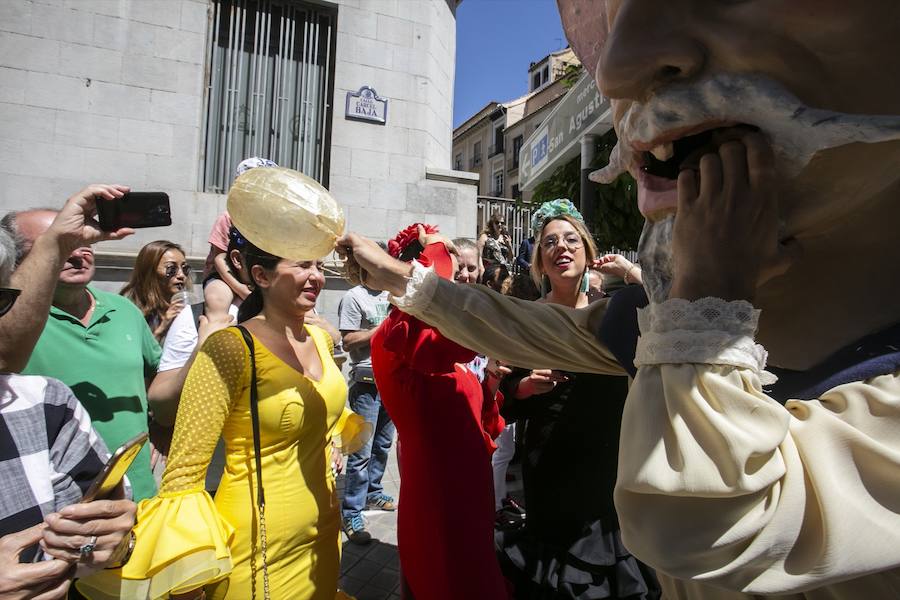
(795, 130)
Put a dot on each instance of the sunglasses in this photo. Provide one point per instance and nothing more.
(172, 270)
(8, 297)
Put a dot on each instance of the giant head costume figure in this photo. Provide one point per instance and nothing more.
(821, 80)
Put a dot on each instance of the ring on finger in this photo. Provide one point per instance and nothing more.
(87, 549)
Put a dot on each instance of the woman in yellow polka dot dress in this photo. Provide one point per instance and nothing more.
(190, 546)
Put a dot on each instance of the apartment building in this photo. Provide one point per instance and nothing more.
(488, 143)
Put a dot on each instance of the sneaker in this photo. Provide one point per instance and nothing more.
(380, 502)
(355, 529)
(510, 517)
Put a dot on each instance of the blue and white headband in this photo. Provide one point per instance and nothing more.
(252, 163)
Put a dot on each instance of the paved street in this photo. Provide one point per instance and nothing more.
(371, 572)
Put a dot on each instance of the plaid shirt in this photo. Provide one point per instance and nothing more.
(49, 453)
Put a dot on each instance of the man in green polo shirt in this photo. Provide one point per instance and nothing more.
(99, 345)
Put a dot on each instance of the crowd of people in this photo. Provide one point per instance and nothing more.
(254, 415)
(664, 451)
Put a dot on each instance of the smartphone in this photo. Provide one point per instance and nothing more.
(136, 210)
(114, 469)
(104, 483)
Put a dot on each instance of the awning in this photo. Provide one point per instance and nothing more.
(582, 111)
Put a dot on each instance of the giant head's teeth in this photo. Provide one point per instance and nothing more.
(663, 152)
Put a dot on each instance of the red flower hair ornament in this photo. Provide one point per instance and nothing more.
(406, 237)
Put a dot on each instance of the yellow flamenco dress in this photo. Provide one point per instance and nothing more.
(185, 540)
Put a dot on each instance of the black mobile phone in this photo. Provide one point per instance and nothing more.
(136, 210)
(114, 469)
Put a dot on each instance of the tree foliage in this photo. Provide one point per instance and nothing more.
(617, 222)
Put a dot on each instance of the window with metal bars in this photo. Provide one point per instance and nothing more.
(271, 78)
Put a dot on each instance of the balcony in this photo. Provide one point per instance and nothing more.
(495, 149)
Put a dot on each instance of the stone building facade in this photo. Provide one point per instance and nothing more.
(135, 91)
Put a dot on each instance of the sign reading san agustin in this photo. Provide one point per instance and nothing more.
(366, 105)
(582, 111)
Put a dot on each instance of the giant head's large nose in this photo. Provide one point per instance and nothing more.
(650, 45)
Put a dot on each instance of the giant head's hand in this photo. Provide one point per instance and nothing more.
(368, 264)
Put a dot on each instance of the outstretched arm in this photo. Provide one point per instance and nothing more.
(516, 332)
(72, 228)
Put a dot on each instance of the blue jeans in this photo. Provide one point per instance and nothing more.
(365, 468)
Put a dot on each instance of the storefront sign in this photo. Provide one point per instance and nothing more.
(582, 111)
(366, 105)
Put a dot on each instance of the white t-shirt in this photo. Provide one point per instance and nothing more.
(182, 339)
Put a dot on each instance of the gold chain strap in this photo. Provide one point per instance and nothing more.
(264, 546)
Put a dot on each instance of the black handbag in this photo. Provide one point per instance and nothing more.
(260, 493)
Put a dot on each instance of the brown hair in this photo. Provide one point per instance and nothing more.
(145, 287)
(491, 227)
(590, 248)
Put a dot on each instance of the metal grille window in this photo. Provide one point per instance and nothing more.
(271, 77)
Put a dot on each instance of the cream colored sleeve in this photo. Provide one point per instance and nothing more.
(717, 482)
(517, 332)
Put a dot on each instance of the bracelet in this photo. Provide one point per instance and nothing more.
(628, 272)
(132, 540)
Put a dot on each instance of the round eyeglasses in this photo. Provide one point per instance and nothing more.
(572, 241)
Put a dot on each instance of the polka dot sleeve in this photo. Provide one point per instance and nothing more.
(216, 380)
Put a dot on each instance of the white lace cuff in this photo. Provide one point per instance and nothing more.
(706, 331)
(420, 288)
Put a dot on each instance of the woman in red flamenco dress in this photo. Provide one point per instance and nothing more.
(446, 422)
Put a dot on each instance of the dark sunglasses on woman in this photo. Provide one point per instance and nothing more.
(8, 297)
(172, 269)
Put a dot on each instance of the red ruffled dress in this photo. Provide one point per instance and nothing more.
(446, 422)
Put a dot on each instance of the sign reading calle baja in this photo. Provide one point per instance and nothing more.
(582, 111)
(366, 105)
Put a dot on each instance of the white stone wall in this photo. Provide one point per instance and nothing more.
(113, 91)
(405, 49)
(104, 91)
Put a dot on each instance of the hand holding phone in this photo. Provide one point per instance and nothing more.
(135, 210)
(105, 524)
(109, 521)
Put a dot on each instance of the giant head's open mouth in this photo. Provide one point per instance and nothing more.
(669, 159)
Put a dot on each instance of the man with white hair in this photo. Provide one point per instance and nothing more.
(764, 138)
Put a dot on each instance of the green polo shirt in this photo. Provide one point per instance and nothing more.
(105, 364)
